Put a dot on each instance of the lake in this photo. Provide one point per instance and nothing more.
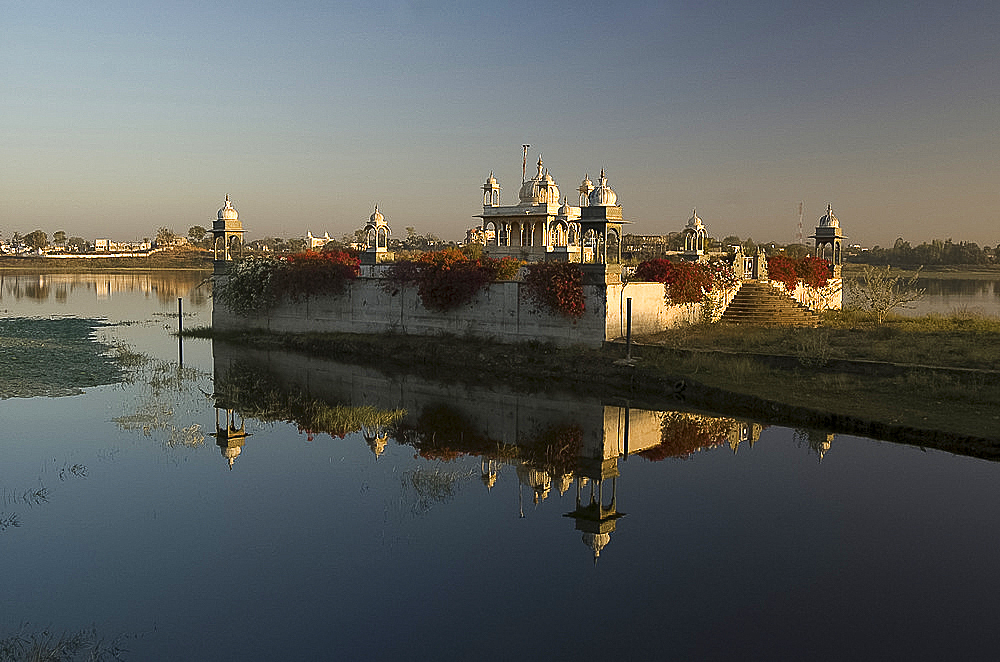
(252, 505)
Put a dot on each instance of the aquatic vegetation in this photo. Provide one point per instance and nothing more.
(53, 357)
(433, 486)
(45, 646)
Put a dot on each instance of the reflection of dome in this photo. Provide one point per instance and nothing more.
(376, 444)
(828, 220)
(564, 483)
(540, 189)
(603, 195)
(539, 481)
(227, 213)
(231, 453)
(596, 541)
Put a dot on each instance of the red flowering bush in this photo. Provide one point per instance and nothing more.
(687, 282)
(312, 273)
(654, 271)
(781, 269)
(813, 271)
(681, 435)
(557, 286)
(448, 278)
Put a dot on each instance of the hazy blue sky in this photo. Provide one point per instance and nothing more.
(120, 117)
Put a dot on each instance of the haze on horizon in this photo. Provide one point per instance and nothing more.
(121, 117)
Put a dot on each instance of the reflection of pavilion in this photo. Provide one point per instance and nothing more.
(595, 517)
(230, 437)
(548, 441)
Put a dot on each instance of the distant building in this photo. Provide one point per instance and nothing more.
(312, 243)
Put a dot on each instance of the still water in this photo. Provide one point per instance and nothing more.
(264, 506)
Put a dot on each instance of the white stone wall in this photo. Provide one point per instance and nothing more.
(829, 297)
(498, 312)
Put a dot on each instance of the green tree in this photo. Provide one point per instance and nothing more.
(58, 237)
(196, 233)
(36, 239)
(164, 236)
(78, 244)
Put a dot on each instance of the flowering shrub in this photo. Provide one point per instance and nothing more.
(311, 273)
(813, 271)
(682, 434)
(248, 289)
(687, 282)
(258, 283)
(557, 286)
(448, 278)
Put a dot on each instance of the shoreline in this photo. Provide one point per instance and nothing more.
(655, 380)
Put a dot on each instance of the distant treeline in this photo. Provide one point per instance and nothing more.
(937, 252)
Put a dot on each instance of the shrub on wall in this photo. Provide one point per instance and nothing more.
(557, 286)
(813, 271)
(310, 273)
(258, 283)
(686, 282)
(248, 289)
(448, 278)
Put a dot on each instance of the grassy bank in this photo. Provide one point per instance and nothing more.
(795, 377)
(939, 271)
(177, 259)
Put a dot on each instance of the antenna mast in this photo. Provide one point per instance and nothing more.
(524, 161)
(800, 224)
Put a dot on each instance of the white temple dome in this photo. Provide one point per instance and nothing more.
(828, 220)
(603, 195)
(694, 221)
(540, 189)
(565, 209)
(227, 213)
(376, 218)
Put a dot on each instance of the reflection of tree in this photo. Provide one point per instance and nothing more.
(431, 486)
(441, 432)
(257, 394)
(683, 434)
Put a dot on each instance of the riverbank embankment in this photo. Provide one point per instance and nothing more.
(796, 382)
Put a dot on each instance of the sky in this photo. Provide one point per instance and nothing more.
(117, 118)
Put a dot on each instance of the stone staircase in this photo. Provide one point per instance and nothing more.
(759, 304)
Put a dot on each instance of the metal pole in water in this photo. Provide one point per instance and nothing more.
(628, 327)
(180, 327)
(628, 417)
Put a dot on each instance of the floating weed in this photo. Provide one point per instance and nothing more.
(432, 486)
(44, 646)
(8, 521)
(76, 471)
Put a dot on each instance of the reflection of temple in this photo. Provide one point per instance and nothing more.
(230, 437)
(549, 442)
(820, 442)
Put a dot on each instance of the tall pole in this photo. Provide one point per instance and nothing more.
(524, 162)
(180, 328)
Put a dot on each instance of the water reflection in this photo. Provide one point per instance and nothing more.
(164, 286)
(549, 443)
